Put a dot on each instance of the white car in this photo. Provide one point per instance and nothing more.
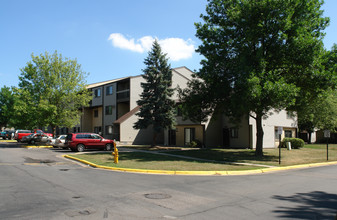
(59, 141)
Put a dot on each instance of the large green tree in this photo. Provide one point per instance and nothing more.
(320, 112)
(156, 105)
(7, 100)
(258, 56)
(51, 92)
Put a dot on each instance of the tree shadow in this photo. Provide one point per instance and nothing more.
(10, 145)
(312, 205)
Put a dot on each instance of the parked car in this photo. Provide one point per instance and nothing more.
(36, 138)
(58, 142)
(9, 135)
(3, 135)
(82, 141)
(19, 134)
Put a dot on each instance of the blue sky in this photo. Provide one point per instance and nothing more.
(109, 38)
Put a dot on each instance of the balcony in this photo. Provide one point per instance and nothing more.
(123, 96)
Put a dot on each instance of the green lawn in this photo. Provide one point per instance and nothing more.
(140, 160)
(143, 160)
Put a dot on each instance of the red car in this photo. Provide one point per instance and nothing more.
(81, 141)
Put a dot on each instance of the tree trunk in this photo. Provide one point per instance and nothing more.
(259, 136)
(309, 139)
(154, 139)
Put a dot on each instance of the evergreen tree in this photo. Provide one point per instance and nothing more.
(156, 105)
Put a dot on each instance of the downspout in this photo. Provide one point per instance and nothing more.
(103, 110)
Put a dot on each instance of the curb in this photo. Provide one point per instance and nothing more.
(37, 146)
(203, 173)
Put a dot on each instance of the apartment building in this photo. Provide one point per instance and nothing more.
(114, 104)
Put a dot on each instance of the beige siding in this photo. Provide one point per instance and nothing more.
(86, 120)
(97, 121)
(269, 124)
(135, 90)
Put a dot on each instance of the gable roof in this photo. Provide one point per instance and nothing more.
(93, 85)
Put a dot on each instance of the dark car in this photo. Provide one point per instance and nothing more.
(3, 134)
(9, 135)
(36, 138)
(81, 141)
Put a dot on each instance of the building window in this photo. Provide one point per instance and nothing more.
(109, 90)
(96, 113)
(74, 129)
(108, 110)
(234, 133)
(97, 93)
(288, 133)
(189, 135)
(108, 129)
(78, 129)
(276, 134)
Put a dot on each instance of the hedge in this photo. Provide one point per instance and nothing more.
(296, 143)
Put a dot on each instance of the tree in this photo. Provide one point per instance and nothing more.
(320, 112)
(51, 92)
(258, 56)
(7, 100)
(156, 106)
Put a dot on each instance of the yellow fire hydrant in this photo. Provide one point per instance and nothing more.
(115, 153)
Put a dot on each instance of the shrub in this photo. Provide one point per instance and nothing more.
(195, 143)
(296, 143)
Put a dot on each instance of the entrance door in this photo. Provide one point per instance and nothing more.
(172, 137)
(225, 136)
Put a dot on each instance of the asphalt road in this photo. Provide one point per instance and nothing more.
(40, 184)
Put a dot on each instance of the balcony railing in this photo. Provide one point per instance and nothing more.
(123, 95)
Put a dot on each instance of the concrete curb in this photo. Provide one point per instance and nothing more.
(37, 146)
(203, 173)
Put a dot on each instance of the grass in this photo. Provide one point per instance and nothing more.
(140, 160)
(143, 160)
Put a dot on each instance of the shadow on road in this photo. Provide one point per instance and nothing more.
(10, 145)
(313, 205)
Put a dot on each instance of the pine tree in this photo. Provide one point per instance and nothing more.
(156, 105)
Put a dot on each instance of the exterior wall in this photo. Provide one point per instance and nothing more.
(135, 90)
(97, 121)
(271, 123)
(243, 139)
(109, 100)
(180, 133)
(129, 135)
(86, 120)
(213, 132)
(180, 80)
(97, 101)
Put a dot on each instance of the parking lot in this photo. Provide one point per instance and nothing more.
(41, 184)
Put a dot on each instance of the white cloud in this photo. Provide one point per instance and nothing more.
(118, 40)
(176, 48)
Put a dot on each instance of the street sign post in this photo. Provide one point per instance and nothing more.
(327, 136)
(279, 132)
